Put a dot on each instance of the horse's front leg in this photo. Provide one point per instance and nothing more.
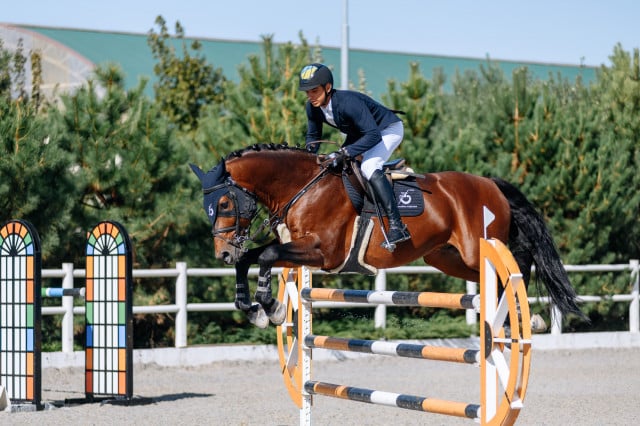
(255, 312)
(300, 252)
(275, 310)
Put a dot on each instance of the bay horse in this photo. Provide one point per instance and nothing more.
(317, 224)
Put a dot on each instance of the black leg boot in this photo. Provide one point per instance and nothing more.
(384, 193)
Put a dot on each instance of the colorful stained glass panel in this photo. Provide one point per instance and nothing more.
(108, 311)
(20, 283)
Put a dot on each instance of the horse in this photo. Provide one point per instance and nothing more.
(317, 224)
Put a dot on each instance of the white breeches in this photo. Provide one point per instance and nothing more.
(374, 158)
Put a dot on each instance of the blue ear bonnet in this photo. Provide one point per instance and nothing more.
(213, 187)
(217, 183)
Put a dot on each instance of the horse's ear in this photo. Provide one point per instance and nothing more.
(197, 171)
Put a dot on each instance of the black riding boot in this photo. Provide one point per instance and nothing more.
(385, 196)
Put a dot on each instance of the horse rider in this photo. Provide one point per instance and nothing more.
(371, 130)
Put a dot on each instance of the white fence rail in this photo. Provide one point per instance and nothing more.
(181, 307)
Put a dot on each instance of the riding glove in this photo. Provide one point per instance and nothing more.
(313, 147)
(337, 157)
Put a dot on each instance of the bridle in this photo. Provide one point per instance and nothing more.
(244, 207)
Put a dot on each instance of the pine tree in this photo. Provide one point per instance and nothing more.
(185, 84)
(5, 72)
(616, 199)
(127, 165)
(34, 180)
(267, 104)
(417, 99)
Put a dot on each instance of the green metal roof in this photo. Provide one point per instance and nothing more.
(134, 56)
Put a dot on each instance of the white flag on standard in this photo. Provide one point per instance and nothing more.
(488, 218)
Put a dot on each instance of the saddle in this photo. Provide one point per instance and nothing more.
(408, 196)
(402, 179)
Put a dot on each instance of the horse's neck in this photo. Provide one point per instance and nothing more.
(274, 180)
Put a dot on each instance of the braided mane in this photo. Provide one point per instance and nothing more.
(263, 147)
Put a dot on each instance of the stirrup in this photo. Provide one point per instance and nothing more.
(402, 231)
(390, 244)
(405, 236)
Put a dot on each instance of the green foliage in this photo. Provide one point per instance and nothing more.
(126, 166)
(615, 199)
(106, 152)
(417, 98)
(30, 162)
(267, 104)
(187, 84)
(6, 80)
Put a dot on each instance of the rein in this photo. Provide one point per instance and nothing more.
(245, 207)
(278, 217)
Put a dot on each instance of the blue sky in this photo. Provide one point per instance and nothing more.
(558, 32)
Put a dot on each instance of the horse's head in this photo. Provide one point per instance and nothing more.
(230, 210)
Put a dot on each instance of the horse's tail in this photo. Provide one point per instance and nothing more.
(530, 242)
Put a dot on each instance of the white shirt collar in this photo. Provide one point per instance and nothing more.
(328, 113)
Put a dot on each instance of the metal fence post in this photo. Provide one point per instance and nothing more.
(634, 306)
(181, 302)
(556, 320)
(67, 305)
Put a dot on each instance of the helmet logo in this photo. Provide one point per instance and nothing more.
(308, 72)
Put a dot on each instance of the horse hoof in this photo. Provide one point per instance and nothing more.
(257, 316)
(538, 325)
(278, 313)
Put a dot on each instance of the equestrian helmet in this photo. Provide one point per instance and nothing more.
(314, 75)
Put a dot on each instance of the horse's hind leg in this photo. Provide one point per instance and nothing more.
(448, 259)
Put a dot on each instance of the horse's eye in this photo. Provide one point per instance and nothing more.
(224, 205)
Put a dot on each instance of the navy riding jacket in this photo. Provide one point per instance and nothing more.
(356, 115)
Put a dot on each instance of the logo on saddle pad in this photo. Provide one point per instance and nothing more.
(408, 197)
